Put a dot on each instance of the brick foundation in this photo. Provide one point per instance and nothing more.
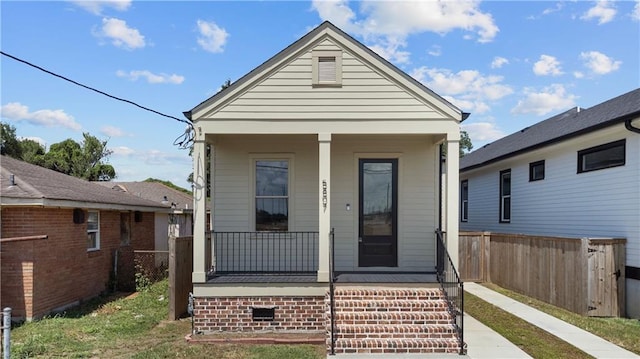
(234, 314)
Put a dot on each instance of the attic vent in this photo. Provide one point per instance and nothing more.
(327, 69)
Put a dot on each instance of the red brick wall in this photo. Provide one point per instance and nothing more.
(234, 314)
(63, 271)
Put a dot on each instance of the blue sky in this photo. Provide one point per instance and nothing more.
(510, 64)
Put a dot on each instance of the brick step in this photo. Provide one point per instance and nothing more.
(396, 331)
(391, 305)
(391, 318)
(393, 345)
(388, 294)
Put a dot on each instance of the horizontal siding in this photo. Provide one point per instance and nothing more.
(288, 94)
(603, 203)
(417, 211)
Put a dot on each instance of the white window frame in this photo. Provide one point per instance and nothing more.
(319, 55)
(96, 231)
(254, 158)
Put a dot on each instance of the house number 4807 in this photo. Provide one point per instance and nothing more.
(324, 194)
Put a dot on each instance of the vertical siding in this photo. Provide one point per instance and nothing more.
(603, 203)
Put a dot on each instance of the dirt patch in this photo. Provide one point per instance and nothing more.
(258, 338)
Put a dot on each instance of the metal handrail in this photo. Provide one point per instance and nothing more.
(265, 252)
(332, 303)
(452, 287)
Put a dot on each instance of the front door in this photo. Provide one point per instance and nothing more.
(378, 217)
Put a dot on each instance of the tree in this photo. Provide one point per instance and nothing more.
(32, 151)
(168, 184)
(9, 144)
(465, 143)
(84, 160)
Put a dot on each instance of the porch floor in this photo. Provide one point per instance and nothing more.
(341, 278)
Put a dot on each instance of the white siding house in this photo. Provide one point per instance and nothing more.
(576, 174)
(324, 141)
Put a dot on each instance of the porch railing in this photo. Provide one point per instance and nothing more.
(452, 287)
(332, 286)
(265, 252)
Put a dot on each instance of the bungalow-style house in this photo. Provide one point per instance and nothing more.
(576, 174)
(176, 222)
(325, 202)
(64, 240)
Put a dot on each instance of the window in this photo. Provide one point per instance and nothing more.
(464, 201)
(603, 156)
(327, 68)
(93, 230)
(272, 195)
(536, 171)
(505, 196)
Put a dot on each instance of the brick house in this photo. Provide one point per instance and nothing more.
(60, 235)
(327, 202)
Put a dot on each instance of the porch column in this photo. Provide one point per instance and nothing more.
(199, 274)
(453, 188)
(324, 203)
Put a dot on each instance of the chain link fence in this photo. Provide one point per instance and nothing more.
(150, 267)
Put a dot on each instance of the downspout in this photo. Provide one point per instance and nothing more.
(629, 126)
(440, 173)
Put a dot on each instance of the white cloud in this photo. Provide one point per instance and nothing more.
(151, 78)
(635, 15)
(96, 6)
(552, 98)
(155, 157)
(386, 24)
(599, 63)
(435, 50)
(483, 131)
(49, 118)
(120, 34)
(212, 37)
(467, 89)
(551, 10)
(112, 131)
(390, 49)
(498, 62)
(547, 65)
(122, 151)
(604, 11)
(578, 74)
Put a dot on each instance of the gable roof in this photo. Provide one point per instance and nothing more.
(571, 123)
(329, 30)
(39, 186)
(153, 191)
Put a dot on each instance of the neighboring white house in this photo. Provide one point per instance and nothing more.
(325, 134)
(576, 174)
(177, 221)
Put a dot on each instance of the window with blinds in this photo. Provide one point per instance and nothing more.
(326, 69)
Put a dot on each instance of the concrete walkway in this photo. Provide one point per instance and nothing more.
(585, 341)
(484, 343)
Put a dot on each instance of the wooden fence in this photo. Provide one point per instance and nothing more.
(180, 268)
(585, 276)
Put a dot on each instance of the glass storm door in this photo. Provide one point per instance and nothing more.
(378, 213)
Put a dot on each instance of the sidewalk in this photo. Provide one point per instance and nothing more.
(585, 341)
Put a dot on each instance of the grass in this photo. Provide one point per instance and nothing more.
(132, 327)
(531, 339)
(620, 331)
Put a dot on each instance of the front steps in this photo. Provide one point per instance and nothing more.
(391, 320)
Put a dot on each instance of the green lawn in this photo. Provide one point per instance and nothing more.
(531, 339)
(620, 331)
(134, 327)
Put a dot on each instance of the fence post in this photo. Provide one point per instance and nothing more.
(6, 329)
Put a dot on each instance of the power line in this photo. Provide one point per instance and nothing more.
(182, 141)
